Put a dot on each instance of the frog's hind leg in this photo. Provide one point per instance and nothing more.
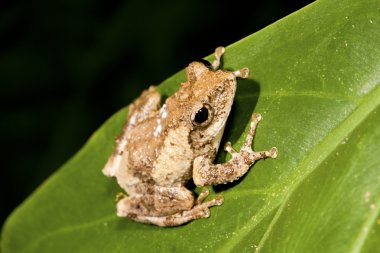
(136, 205)
(145, 106)
(155, 201)
(197, 212)
(169, 206)
(142, 108)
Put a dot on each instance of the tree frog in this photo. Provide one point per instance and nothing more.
(162, 147)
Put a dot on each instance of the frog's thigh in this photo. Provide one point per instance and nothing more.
(197, 212)
(136, 205)
(164, 201)
(169, 200)
(174, 219)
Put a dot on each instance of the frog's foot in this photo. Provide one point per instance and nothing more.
(206, 173)
(242, 73)
(219, 51)
(202, 210)
(202, 196)
(247, 152)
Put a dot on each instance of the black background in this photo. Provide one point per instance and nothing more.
(68, 65)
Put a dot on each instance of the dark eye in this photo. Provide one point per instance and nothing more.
(203, 116)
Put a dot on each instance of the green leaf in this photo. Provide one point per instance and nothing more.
(315, 78)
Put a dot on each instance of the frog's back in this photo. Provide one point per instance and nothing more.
(122, 163)
(163, 160)
(142, 150)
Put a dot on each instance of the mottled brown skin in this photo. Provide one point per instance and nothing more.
(161, 148)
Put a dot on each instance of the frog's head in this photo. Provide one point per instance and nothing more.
(210, 94)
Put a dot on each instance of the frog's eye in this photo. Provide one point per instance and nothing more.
(203, 116)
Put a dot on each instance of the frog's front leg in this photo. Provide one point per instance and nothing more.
(206, 173)
(168, 206)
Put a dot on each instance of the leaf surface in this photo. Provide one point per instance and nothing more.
(315, 78)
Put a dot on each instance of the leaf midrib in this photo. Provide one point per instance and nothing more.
(311, 162)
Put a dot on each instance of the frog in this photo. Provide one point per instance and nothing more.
(163, 146)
